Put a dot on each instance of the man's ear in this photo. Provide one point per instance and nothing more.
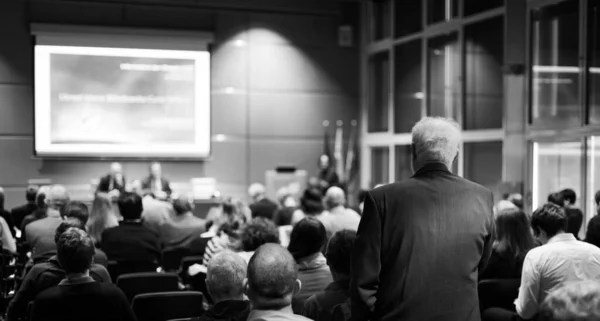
(297, 287)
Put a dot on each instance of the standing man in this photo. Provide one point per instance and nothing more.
(156, 184)
(421, 242)
(114, 182)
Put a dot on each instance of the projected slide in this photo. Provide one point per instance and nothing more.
(107, 102)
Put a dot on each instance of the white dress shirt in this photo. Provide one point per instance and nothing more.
(563, 259)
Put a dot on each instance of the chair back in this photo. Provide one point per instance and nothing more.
(498, 293)
(147, 282)
(168, 306)
(126, 267)
(171, 259)
(186, 262)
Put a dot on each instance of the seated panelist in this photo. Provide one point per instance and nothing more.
(112, 184)
(156, 184)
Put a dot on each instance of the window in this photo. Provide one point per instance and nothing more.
(408, 92)
(555, 67)
(403, 162)
(442, 10)
(484, 49)
(594, 61)
(381, 19)
(379, 92)
(483, 163)
(444, 75)
(477, 6)
(380, 165)
(409, 17)
(556, 166)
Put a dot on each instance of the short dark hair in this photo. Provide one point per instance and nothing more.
(556, 198)
(272, 272)
(549, 218)
(65, 225)
(569, 195)
(75, 251)
(311, 201)
(130, 206)
(572, 302)
(257, 232)
(75, 209)
(182, 205)
(31, 193)
(339, 250)
(307, 238)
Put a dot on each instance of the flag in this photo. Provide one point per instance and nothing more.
(351, 156)
(338, 153)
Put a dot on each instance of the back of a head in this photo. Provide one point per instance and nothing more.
(31, 193)
(77, 210)
(57, 196)
(334, 197)
(435, 140)
(311, 202)
(513, 232)
(256, 190)
(550, 218)
(67, 224)
(232, 216)
(271, 277)
(569, 195)
(225, 276)
(307, 238)
(557, 199)
(339, 250)
(40, 197)
(516, 199)
(75, 251)
(257, 232)
(183, 205)
(130, 206)
(579, 301)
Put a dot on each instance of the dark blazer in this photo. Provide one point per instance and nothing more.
(131, 241)
(264, 208)
(18, 213)
(166, 185)
(419, 247)
(503, 266)
(104, 184)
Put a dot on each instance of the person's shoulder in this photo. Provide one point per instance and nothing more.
(51, 293)
(20, 208)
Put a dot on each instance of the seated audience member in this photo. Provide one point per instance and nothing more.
(182, 227)
(156, 212)
(578, 301)
(6, 214)
(557, 199)
(513, 241)
(560, 260)
(592, 234)
(156, 184)
(574, 214)
(272, 281)
(261, 206)
(18, 213)
(79, 296)
(306, 243)
(225, 284)
(46, 275)
(340, 217)
(102, 217)
(287, 206)
(311, 204)
(256, 233)
(516, 199)
(40, 233)
(39, 213)
(131, 241)
(75, 210)
(320, 307)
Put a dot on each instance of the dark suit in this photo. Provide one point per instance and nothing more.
(131, 241)
(105, 184)
(419, 247)
(147, 185)
(18, 213)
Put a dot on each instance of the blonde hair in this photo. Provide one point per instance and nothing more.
(102, 217)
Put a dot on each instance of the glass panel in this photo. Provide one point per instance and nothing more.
(441, 10)
(379, 92)
(381, 20)
(594, 60)
(380, 165)
(593, 177)
(555, 70)
(409, 17)
(556, 166)
(403, 162)
(483, 164)
(408, 94)
(444, 75)
(477, 6)
(484, 47)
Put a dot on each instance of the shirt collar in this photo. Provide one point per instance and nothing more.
(563, 237)
(260, 314)
(75, 281)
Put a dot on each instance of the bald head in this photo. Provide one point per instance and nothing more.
(335, 197)
(435, 140)
(272, 277)
(57, 196)
(225, 276)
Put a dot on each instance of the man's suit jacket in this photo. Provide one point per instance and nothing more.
(18, 213)
(420, 245)
(166, 185)
(131, 242)
(104, 184)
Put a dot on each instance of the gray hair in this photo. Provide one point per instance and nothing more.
(57, 196)
(225, 275)
(573, 301)
(334, 197)
(436, 139)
